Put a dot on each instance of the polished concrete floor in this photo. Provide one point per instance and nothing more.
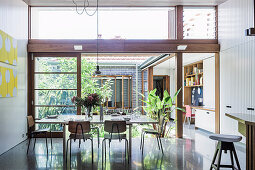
(193, 152)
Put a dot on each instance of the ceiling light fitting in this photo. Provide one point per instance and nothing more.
(181, 47)
(251, 31)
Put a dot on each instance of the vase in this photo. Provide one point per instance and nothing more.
(101, 113)
(89, 108)
(83, 110)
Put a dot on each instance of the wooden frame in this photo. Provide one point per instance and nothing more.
(124, 46)
(217, 93)
(179, 114)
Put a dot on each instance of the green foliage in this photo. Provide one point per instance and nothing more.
(64, 81)
(156, 107)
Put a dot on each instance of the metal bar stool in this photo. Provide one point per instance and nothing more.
(225, 143)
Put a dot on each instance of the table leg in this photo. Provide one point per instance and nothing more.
(130, 142)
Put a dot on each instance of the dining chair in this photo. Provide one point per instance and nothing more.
(79, 130)
(34, 133)
(115, 131)
(159, 132)
(188, 114)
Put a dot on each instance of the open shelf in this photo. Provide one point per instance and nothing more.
(201, 85)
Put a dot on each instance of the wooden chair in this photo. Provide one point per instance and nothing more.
(115, 131)
(33, 134)
(188, 114)
(158, 133)
(79, 130)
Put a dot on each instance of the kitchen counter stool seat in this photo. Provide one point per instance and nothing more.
(225, 143)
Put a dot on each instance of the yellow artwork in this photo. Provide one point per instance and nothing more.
(8, 49)
(8, 82)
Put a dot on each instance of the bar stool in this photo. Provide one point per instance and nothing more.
(225, 142)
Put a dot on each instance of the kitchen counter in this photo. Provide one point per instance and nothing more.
(203, 108)
(242, 118)
(246, 123)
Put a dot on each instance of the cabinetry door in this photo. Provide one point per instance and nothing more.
(209, 82)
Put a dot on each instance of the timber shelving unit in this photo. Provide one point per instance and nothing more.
(193, 77)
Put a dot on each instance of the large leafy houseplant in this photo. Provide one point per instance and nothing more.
(155, 107)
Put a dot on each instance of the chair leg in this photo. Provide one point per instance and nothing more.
(141, 140)
(161, 145)
(232, 159)
(158, 142)
(103, 148)
(92, 151)
(143, 143)
(127, 151)
(236, 158)
(98, 139)
(214, 157)
(46, 142)
(105, 151)
(67, 149)
(28, 144)
(70, 152)
(184, 120)
(34, 143)
(219, 158)
(51, 139)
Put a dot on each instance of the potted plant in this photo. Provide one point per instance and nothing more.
(155, 107)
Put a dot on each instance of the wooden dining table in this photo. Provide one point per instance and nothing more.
(64, 120)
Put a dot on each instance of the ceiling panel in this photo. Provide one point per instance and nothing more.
(125, 3)
(188, 58)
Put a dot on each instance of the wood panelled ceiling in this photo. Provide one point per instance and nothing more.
(125, 3)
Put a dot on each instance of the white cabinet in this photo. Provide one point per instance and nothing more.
(205, 119)
(209, 82)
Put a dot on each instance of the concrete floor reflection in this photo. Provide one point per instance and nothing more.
(193, 152)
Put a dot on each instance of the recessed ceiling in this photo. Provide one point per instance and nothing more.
(188, 58)
(124, 3)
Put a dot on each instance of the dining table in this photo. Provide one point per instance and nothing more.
(95, 120)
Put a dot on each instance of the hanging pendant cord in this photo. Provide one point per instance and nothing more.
(97, 31)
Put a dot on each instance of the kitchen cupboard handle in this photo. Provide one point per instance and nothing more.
(228, 107)
(208, 112)
(249, 108)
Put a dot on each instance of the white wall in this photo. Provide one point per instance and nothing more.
(236, 61)
(161, 71)
(13, 111)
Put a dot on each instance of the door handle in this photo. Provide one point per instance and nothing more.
(249, 108)
(228, 107)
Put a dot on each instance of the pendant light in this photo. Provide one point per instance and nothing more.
(97, 68)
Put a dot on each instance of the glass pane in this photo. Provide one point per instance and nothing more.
(54, 97)
(199, 23)
(118, 93)
(130, 92)
(55, 81)
(145, 86)
(111, 101)
(55, 64)
(41, 112)
(125, 90)
(124, 23)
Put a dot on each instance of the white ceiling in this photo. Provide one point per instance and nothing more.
(188, 58)
(125, 3)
